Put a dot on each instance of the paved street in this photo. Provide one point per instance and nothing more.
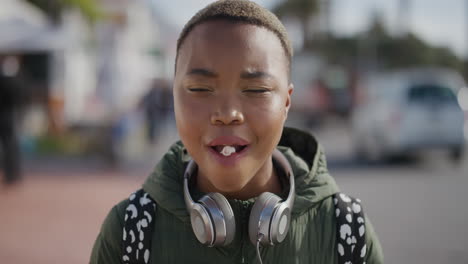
(420, 213)
(418, 210)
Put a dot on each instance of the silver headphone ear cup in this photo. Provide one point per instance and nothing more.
(280, 222)
(228, 216)
(202, 224)
(260, 217)
(215, 205)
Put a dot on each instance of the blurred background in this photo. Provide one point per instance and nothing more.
(86, 112)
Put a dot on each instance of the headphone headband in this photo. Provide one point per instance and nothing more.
(277, 155)
(189, 171)
(284, 163)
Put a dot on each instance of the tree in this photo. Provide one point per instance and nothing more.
(303, 10)
(378, 48)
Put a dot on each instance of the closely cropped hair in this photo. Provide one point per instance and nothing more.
(243, 11)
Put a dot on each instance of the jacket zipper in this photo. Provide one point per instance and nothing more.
(243, 221)
(241, 218)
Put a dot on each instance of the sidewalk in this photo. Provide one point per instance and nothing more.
(54, 214)
(54, 217)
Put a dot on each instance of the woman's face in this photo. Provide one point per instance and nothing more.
(231, 93)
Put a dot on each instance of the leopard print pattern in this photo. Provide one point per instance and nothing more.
(138, 228)
(351, 229)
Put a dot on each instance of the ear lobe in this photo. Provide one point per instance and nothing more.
(288, 98)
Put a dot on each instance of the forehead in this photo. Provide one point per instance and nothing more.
(230, 41)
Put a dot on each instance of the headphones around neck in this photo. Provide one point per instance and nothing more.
(213, 220)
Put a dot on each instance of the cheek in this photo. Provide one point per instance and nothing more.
(190, 110)
(267, 121)
(268, 112)
(189, 121)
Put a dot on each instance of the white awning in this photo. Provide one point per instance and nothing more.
(16, 35)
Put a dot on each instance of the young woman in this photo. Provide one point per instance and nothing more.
(238, 187)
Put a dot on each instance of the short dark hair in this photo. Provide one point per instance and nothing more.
(242, 11)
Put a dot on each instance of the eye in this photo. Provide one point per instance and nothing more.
(199, 89)
(257, 90)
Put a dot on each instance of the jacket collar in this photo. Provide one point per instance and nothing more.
(307, 159)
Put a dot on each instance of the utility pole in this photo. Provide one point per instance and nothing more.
(466, 33)
(404, 13)
(325, 17)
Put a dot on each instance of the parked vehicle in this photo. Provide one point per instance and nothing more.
(403, 113)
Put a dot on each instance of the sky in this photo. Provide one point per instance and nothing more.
(441, 22)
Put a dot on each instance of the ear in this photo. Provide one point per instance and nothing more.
(288, 99)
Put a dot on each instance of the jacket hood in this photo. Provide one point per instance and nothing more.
(312, 180)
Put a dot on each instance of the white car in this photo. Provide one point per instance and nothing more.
(403, 113)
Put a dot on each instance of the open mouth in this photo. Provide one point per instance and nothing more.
(228, 150)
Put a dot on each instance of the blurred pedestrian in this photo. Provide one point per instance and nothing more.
(157, 106)
(9, 102)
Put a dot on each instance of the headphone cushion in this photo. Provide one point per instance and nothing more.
(262, 201)
(228, 214)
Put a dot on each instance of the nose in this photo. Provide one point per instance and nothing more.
(227, 114)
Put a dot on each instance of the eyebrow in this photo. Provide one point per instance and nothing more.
(203, 72)
(256, 75)
(244, 75)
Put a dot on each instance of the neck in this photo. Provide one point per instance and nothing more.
(266, 180)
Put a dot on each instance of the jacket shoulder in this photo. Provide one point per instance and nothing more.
(323, 217)
(107, 247)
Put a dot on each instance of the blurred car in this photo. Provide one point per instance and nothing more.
(404, 113)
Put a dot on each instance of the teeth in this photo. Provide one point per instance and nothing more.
(228, 150)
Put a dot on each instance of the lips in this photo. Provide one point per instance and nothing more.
(217, 145)
(219, 148)
(228, 141)
(237, 143)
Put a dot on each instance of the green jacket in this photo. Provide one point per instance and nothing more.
(311, 237)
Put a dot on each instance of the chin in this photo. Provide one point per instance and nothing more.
(230, 186)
